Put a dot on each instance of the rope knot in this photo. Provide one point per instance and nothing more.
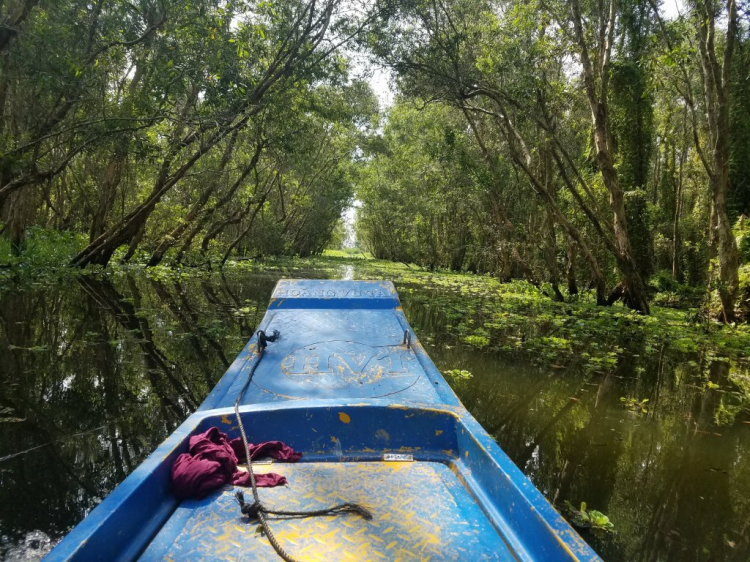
(249, 509)
(263, 338)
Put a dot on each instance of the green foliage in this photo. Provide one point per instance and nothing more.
(589, 519)
(479, 342)
(457, 374)
(640, 225)
(739, 131)
(179, 128)
(744, 298)
(419, 190)
(671, 293)
(485, 162)
(44, 250)
(741, 232)
(635, 405)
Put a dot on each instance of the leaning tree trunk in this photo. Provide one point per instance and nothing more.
(676, 238)
(107, 192)
(172, 238)
(523, 161)
(113, 172)
(17, 212)
(570, 266)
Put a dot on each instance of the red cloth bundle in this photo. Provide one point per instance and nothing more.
(212, 462)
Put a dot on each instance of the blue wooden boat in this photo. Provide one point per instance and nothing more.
(347, 384)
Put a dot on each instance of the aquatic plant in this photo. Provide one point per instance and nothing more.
(635, 405)
(584, 518)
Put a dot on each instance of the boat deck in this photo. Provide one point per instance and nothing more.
(421, 511)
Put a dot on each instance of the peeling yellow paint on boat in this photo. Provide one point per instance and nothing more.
(344, 417)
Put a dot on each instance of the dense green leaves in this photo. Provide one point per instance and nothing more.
(588, 145)
(569, 143)
(167, 127)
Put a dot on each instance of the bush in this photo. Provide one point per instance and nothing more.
(44, 248)
(668, 292)
(743, 307)
(741, 232)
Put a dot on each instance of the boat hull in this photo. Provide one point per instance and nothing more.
(454, 495)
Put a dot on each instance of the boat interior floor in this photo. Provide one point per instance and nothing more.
(421, 511)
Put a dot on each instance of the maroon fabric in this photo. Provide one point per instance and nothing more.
(212, 462)
(274, 449)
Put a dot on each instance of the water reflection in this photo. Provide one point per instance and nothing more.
(347, 272)
(95, 374)
(675, 478)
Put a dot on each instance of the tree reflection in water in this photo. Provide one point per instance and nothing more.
(94, 374)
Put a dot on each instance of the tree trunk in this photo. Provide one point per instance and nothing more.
(634, 288)
(726, 248)
(547, 199)
(113, 172)
(107, 192)
(172, 238)
(676, 239)
(716, 79)
(100, 250)
(237, 240)
(18, 211)
(570, 269)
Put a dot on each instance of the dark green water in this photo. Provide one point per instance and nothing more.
(95, 373)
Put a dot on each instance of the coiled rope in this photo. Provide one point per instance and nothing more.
(257, 509)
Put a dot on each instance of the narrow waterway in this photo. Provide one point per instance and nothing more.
(96, 372)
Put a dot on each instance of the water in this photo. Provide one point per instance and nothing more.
(95, 373)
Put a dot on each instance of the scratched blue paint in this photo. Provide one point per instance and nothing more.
(342, 386)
